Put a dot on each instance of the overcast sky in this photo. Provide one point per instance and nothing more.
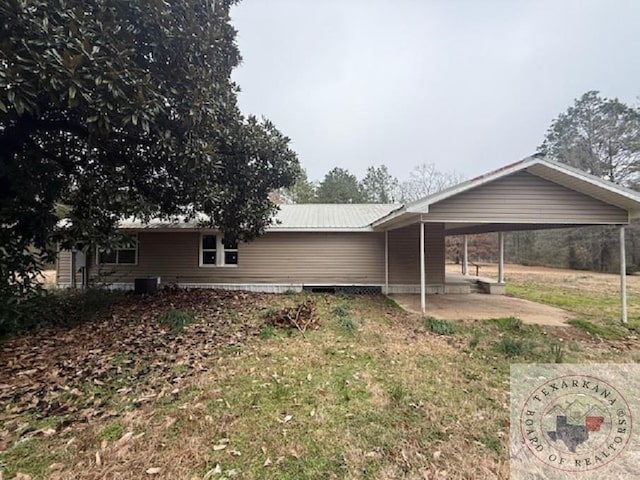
(467, 85)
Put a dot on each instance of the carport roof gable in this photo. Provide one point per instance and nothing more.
(560, 174)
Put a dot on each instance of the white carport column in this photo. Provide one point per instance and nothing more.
(465, 255)
(501, 258)
(423, 286)
(623, 276)
(386, 262)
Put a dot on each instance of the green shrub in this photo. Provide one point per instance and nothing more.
(474, 340)
(441, 327)
(509, 324)
(176, 320)
(513, 347)
(340, 311)
(347, 323)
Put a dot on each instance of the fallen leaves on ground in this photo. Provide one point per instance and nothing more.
(74, 373)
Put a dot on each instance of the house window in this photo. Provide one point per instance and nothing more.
(215, 250)
(230, 252)
(127, 254)
(209, 250)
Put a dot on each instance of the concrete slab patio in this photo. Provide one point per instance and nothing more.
(477, 306)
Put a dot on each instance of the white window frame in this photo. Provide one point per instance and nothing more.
(220, 251)
(134, 238)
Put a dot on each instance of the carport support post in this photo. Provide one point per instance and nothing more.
(623, 276)
(465, 255)
(386, 262)
(423, 288)
(501, 258)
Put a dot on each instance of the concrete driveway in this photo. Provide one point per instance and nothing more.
(477, 306)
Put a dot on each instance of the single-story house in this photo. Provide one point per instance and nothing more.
(390, 248)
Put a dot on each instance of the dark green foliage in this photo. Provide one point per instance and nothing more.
(176, 320)
(339, 186)
(441, 327)
(118, 109)
(302, 191)
(379, 186)
(61, 308)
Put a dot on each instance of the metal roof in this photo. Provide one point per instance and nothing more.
(298, 217)
(317, 216)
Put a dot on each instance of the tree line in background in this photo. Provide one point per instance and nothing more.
(377, 186)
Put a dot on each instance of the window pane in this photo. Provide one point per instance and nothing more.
(209, 242)
(230, 244)
(231, 258)
(129, 243)
(209, 258)
(126, 256)
(107, 257)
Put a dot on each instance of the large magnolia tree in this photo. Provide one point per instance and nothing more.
(124, 108)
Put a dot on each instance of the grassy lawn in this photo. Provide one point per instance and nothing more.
(594, 296)
(374, 392)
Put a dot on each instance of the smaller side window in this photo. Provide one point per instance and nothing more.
(209, 244)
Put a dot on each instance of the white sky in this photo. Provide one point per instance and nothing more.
(467, 85)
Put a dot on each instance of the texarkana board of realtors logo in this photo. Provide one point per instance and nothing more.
(574, 421)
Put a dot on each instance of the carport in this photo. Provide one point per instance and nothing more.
(531, 194)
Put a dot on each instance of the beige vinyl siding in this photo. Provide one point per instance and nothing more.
(63, 269)
(525, 198)
(279, 258)
(61, 261)
(404, 254)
